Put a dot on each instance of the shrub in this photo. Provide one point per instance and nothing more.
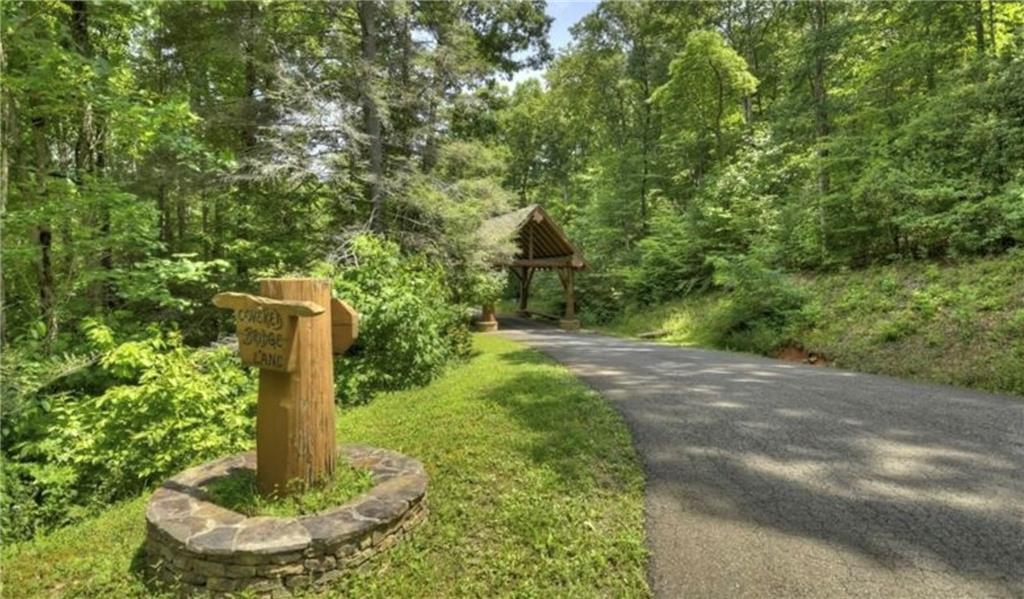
(35, 497)
(168, 406)
(409, 329)
(671, 261)
(899, 326)
(764, 311)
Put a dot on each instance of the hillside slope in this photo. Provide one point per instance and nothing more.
(961, 324)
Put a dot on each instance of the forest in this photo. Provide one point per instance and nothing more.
(155, 153)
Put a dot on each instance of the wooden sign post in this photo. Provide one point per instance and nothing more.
(288, 333)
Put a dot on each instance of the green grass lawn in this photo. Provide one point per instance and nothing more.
(535, 491)
(239, 492)
(961, 324)
(679, 322)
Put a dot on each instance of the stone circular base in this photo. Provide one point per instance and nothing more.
(569, 325)
(203, 547)
(484, 326)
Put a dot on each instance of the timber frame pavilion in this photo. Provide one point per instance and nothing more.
(540, 245)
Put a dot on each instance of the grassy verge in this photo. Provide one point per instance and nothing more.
(961, 324)
(534, 491)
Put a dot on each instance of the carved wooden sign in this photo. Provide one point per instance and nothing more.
(266, 328)
(288, 333)
(344, 326)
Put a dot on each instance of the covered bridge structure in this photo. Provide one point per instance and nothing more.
(540, 245)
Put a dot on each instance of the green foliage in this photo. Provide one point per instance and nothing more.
(764, 310)
(30, 383)
(37, 497)
(238, 492)
(812, 136)
(449, 207)
(164, 406)
(955, 323)
(672, 261)
(154, 154)
(175, 406)
(168, 283)
(701, 102)
(409, 330)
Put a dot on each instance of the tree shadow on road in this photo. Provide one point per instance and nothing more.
(902, 474)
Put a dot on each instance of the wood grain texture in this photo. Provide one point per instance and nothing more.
(295, 435)
(244, 301)
(344, 326)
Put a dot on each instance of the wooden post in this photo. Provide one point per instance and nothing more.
(488, 321)
(290, 333)
(569, 322)
(570, 296)
(295, 414)
(524, 290)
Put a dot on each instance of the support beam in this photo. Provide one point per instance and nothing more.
(570, 295)
(488, 320)
(524, 289)
(568, 321)
(552, 262)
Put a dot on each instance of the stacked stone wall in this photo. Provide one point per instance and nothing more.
(203, 548)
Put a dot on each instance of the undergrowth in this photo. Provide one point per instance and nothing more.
(960, 324)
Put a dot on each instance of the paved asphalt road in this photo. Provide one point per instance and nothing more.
(772, 479)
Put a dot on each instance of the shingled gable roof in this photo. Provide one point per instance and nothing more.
(541, 242)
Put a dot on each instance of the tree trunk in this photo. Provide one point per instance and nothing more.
(5, 139)
(165, 221)
(992, 26)
(44, 238)
(371, 119)
(80, 36)
(205, 224)
(84, 143)
(408, 107)
(645, 141)
(107, 255)
(570, 295)
(249, 116)
(524, 289)
(719, 112)
(218, 226)
(89, 156)
(248, 132)
(979, 27)
(182, 218)
(819, 89)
